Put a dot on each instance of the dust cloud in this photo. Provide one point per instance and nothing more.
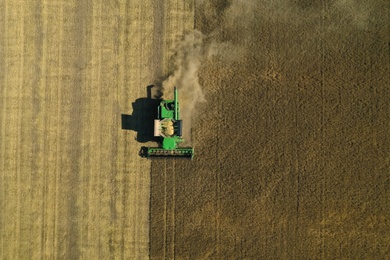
(231, 36)
(188, 58)
(191, 52)
(359, 13)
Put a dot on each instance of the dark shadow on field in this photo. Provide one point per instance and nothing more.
(142, 119)
(143, 152)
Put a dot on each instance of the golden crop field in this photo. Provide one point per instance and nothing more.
(72, 183)
(291, 142)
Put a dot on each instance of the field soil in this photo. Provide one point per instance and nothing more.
(292, 141)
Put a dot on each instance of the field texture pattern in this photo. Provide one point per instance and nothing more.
(72, 183)
(292, 142)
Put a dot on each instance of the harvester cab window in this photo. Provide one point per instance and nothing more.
(170, 105)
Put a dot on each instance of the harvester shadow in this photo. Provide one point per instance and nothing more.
(142, 119)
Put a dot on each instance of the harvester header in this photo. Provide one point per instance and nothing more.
(168, 127)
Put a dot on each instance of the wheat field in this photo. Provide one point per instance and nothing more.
(292, 141)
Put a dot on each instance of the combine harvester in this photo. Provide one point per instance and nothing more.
(168, 127)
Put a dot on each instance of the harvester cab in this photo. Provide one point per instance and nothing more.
(168, 127)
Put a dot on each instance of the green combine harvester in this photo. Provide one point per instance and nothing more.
(168, 127)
